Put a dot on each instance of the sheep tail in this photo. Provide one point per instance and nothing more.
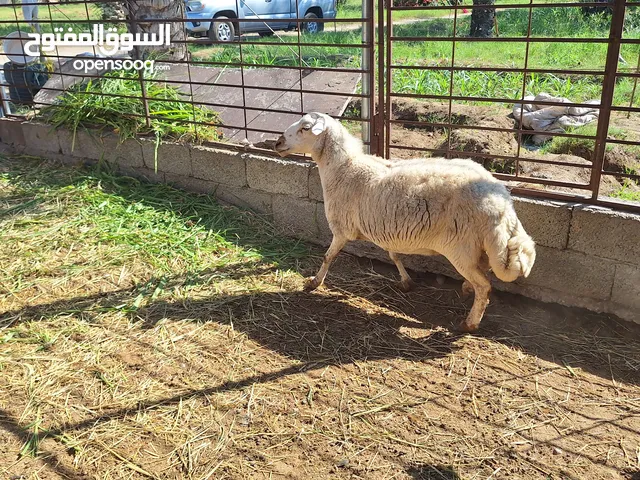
(511, 251)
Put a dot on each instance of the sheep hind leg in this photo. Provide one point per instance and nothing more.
(337, 244)
(479, 280)
(406, 284)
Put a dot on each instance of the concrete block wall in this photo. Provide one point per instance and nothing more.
(587, 256)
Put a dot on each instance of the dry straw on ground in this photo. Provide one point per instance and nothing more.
(149, 333)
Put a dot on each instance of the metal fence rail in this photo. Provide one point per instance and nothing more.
(588, 190)
(383, 46)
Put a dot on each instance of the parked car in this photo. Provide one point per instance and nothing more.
(222, 20)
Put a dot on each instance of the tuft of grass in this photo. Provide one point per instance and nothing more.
(116, 102)
(580, 146)
(628, 191)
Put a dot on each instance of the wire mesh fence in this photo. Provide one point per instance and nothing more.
(542, 93)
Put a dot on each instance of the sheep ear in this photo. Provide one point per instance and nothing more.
(318, 127)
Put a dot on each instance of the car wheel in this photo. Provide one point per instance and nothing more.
(309, 26)
(222, 30)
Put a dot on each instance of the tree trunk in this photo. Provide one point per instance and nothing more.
(482, 19)
(140, 10)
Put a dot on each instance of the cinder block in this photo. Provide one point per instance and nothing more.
(172, 157)
(86, 144)
(626, 287)
(432, 264)
(296, 215)
(547, 222)
(244, 197)
(572, 272)
(325, 235)
(40, 138)
(11, 132)
(361, 248)
(144, 174)
(220, 166)
(278, 176)
(89, 145)
(65, 139)
(125, 154)
(549, 295)
(191, 184)
(315, 186)
(606, 233)
(629, 314)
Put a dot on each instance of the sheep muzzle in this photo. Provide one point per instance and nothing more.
(280, 145)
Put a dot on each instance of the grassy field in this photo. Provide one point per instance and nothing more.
(11, 18)
(551, 22)
(152, 333)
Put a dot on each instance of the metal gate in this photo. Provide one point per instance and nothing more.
(586, 188)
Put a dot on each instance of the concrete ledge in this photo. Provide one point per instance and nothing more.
(587, 256)
(296, 215)
(571, 272)
(128, 154)
(247, 198)
(278, 176)
(144, 174)
(605, 233)
(547, 222)
(220, 166)
(626, 287)
(11, 132)
(191, 184)
(315, 186)
(172, 157)
(40, 137)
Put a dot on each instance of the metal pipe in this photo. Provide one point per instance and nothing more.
(367, 40)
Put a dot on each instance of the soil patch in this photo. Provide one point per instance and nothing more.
(480, 145)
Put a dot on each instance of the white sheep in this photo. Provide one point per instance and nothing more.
(424, 206)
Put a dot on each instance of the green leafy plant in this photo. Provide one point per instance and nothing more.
(116, 102)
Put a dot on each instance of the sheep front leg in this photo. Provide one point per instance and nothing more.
(406, 284)
(336, 245)
(483, 264)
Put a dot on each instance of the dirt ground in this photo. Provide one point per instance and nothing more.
(150, 333)
(354, 381)
(483, 143)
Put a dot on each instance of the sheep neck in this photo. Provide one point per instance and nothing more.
(344, 168)
(336, 147)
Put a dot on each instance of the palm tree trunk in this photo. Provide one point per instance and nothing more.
(482, 19)
(140, 11)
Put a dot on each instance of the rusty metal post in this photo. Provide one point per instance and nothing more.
(133, 26)
(367, 66)
(606, 100)
(380, 114)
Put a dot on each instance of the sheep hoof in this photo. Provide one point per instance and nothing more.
(406, 285)
(467, 289)
(311, 283)
(466, 327)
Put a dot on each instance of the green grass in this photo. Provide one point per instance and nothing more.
(115, 102)
(629, 192)
(561, 145)
(120, 226)
(60, 14)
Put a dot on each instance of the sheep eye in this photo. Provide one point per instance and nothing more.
(306, 127)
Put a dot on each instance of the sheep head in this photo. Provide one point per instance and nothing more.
(304, 136)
